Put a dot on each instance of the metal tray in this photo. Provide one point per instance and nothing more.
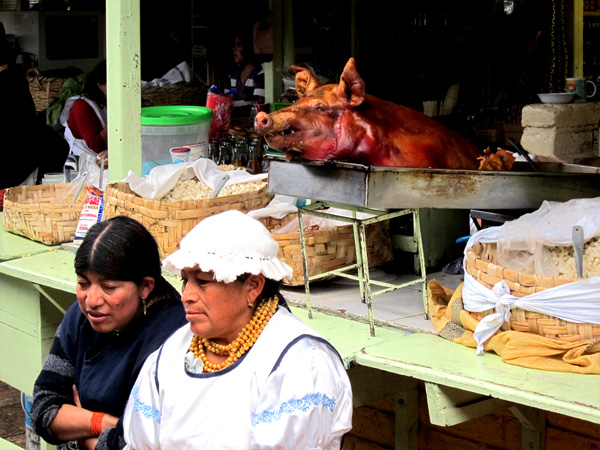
(378, 187)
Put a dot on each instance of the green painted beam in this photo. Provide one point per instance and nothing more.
(124, 88)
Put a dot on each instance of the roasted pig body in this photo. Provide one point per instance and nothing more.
(339, 122)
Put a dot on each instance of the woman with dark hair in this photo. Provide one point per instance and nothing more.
(125, 310)
(248, 79)
(244, 373)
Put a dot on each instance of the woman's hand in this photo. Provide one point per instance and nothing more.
(108, 421)
(76, 397)
(89, 444)
(74, 423)
(100, 156)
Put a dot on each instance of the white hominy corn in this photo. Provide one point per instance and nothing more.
(564, 258)
(198, 190)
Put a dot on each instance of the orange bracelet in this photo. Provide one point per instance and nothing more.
(96, 423)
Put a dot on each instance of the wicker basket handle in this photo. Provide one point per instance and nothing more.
(35, 74)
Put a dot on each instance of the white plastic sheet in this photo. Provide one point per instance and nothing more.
(181, 73)
(279, 207)
(523, 243)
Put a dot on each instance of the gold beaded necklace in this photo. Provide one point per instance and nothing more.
(244, 341)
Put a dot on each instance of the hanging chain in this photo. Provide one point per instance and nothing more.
(563, 44)
(560, 56)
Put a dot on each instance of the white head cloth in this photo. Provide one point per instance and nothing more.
(229, 244)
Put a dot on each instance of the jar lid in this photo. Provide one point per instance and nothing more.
(175, 115)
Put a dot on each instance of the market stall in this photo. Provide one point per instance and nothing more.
(459, 385)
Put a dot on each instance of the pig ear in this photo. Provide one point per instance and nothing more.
(351, 89)
(305, 81)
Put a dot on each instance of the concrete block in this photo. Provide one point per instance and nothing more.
(566, 131)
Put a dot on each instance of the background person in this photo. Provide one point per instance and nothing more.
(84, 117)
(248, 79)
(125, 310)
(28, 147)
(245, 373)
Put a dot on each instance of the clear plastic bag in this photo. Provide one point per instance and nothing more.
(523, 243)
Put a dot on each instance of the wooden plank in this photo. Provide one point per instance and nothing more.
(449, 406)
(431, 358)
(369, 384)
(14, 246)
(533, 427)
(407, 419)
(52, 269)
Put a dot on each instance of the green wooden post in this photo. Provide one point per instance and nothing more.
(124, 87)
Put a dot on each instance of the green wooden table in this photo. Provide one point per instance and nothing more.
(459, 384)
(14, 246)
(36, 286)
(36, 291)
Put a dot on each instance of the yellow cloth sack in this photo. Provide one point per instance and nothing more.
(452, 322)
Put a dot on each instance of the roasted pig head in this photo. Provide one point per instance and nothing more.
(339, 122)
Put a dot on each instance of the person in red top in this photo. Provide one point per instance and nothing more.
(84, 124)
(85, 120)
(84, 115)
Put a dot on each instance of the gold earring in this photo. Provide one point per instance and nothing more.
(144, 304)
(250, 304)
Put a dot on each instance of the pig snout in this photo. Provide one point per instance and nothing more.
(263, 122)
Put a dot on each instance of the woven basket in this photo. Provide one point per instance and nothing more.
(178, 94)
(328, 249)
(170, 222)
(33, 212)
(483, 266)
(44, 90)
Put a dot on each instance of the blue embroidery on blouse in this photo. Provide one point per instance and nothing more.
(304, 404)
(147, 411)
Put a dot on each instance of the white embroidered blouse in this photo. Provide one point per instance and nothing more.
(290, 391)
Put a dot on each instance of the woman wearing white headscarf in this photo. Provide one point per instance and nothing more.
(245, 373)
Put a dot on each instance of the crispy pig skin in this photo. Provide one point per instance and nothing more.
(501, 160)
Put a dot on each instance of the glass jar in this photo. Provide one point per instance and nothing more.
(225, 153)
(243, 151)
(53, 178)
(213, 150)
(236, 157)
(264, 160)
(253, 164)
